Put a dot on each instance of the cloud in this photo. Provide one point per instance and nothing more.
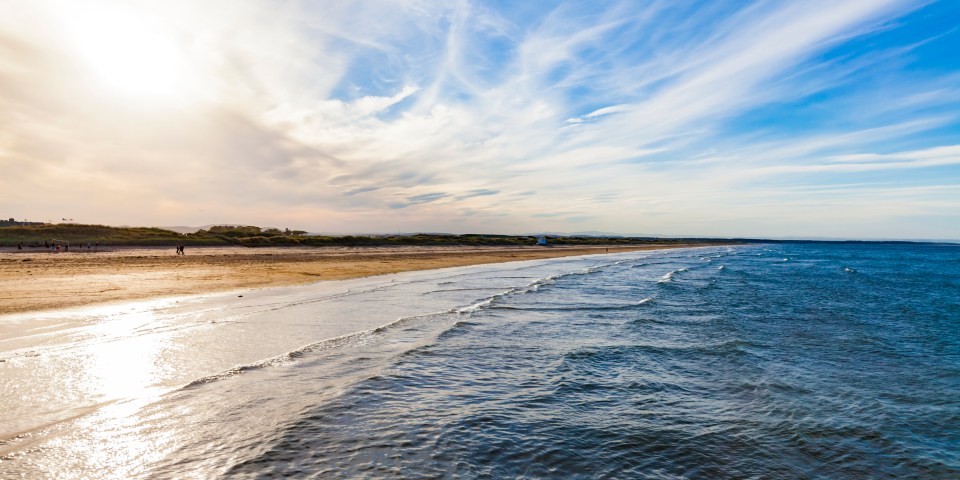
(599, 113)
(420, 199)
(466, 116)
(933, 157)
(479, 192)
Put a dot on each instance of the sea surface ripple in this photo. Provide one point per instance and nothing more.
(842, 362)
(765, 361)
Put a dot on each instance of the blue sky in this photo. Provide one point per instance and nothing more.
(772, 119)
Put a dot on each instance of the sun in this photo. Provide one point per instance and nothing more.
(129, 54)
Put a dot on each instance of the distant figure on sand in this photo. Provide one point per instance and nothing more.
(19, 245)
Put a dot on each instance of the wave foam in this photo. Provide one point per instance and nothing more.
(356, 338)
(366, 335)
(668, 277)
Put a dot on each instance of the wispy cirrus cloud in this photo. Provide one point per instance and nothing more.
(638, 117)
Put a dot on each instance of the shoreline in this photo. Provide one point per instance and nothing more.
(38, 280)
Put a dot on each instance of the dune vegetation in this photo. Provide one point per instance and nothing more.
(253, 236)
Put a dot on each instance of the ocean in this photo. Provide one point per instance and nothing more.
(804, 360)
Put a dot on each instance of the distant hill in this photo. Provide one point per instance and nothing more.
(186, 229)
(181, 229)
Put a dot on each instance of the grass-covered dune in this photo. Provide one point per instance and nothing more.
(38, 235)
(252, 236)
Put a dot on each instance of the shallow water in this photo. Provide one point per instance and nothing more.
(786, 361)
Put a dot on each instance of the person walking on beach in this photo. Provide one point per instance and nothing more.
(19, 245)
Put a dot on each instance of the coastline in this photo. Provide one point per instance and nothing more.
(37, 280)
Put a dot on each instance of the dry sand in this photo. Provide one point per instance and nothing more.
(34, 279)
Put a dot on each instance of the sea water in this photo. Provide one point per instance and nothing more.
(757, 361)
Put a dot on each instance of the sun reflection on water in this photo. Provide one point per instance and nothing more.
(124, 369)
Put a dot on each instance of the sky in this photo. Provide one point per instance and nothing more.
(778, 119)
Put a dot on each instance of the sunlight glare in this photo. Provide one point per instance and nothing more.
(130, 55)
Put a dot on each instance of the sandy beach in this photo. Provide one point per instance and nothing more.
(35, 279)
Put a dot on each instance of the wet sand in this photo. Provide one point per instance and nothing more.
(35, 279)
